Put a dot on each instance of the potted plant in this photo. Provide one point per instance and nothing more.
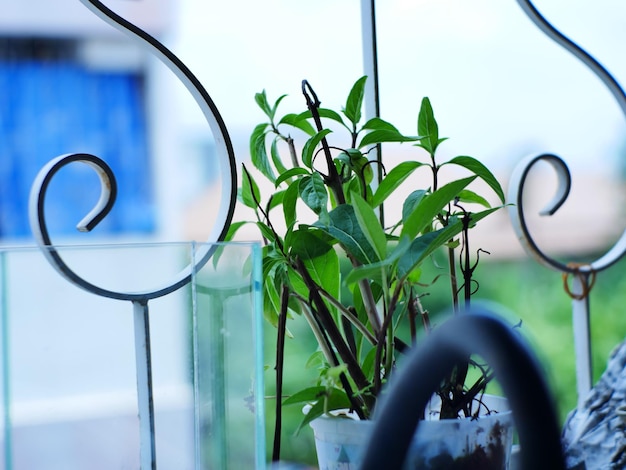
(331, 257)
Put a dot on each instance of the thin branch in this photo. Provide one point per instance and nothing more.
(332, 180)
(349, 315)
(280, 360)
(356, 402)
(292, 151)
(327, 323)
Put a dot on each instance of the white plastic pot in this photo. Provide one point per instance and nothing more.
(480, 443)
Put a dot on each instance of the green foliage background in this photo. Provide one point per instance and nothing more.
(525, 291)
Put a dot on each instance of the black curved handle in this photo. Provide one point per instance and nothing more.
(515, 367)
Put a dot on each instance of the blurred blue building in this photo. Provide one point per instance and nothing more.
(51, 104)
(71, 84)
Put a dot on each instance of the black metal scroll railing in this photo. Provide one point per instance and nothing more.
(582, 276)
(139, 300)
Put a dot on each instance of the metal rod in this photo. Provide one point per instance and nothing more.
(144, 386)
(259, 384)
(582, 339)
(197, 416)
(370, 57)
(6, 368)
(370, 68)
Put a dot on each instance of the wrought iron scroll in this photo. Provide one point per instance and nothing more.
(141, 299)
(582, 276)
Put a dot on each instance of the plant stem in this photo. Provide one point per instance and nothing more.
(321, 339)
(416, 308)
(454, 284)
(292, 151)
(466, 268)
(357, 405)
(413, 313)
(385, 342)
(333, 180)
(349, 334)
(349, 315)
(389, 356)
(280, 359)
(320, 310)
(369, 303)
(435, 170)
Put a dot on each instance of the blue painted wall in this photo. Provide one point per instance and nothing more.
(53, 108)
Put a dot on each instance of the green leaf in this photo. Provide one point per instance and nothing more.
(289, 203)
(299, 122)
(334, 399)
(271, 304)
(324, 113)
(257, 138)
(274, 284)
(393, 179)
(427, 126)
(259, 130)
(324, 270)
(250, 193)
(354, 186)
(316, 361)
(258, 153)
(355, 101)
(377, 123)
(360, 164)
(475, 217)
(330, 114)
(276, 199)
(411, 202)
(308, 395)
(280, 98)
(266, 231)
(374, 270)
(232, 230)
(481, 171)
(470, 196)
(278, 162)
(385, 135)
(368, 364)
(344, 227)
(290, 174)
(310, 145)
(261, 100)
(313, 192)
(370, 225)
(425, 245)
(305, 244)
(297, 284)
(273, 280)
(426, 211)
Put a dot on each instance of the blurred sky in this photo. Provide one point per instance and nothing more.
(500, 88)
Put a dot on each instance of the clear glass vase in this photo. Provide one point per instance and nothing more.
(69, 385)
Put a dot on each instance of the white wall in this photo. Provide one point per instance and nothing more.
(63, 17)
